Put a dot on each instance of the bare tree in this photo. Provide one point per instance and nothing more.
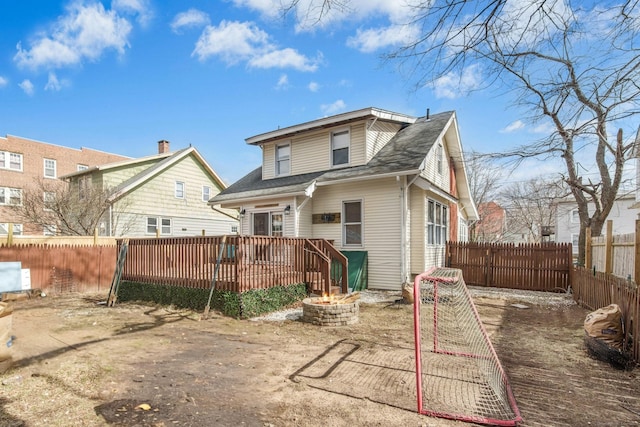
(70, 210)
(484, 175)
(571, 66)
(530, 206)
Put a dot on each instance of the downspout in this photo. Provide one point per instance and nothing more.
(111, 220)
(308, 192)
(405, 204)
(403, 231)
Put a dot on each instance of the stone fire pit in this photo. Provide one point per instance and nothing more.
(325, 311)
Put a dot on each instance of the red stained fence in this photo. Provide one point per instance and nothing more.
(534, 267)
(64, 268)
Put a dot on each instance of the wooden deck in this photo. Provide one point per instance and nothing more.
(236, 263)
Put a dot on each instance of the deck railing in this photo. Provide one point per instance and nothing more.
(245, 262)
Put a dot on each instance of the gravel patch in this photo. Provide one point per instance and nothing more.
(519, 299)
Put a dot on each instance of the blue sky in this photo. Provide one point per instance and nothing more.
(119, 76)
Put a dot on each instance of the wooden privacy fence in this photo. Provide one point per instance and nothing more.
(594, 290)
(247, 262)
(534, 267)
(614, 254)
(64, 268)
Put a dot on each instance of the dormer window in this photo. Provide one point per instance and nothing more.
(283, 159)
(340, 148)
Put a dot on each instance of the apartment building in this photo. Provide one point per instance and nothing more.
(23, 162)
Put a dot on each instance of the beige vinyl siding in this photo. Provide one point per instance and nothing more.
(190, 215)
(269, 161)
(116, 176)
(312, 152)
(378, 136)
(430, 172)
(381, 226)
(305, 227)
(358, 147)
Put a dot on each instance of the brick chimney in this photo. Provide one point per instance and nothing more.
(163, 146)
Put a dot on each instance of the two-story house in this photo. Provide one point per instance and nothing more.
(23, 162)
(161, 195)
(622, 216)
(369, 180)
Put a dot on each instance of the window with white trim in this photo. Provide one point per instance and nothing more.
(49, 168)
(283, 159)
(84, 182)
(179, 190)
(10, 196)
(436, 223)
(82, 167)
(340, 142)
(11, 161)
(463, 230)
(575, 242)
(574, 216)
(4, 229)
(352, 223)
(439, 160)
(152, 225)
(49, 197)
(206, 193)
(50, 230)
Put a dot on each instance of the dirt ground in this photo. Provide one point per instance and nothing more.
(79, 363)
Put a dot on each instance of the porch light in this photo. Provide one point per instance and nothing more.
(242, 212)
(287, 210)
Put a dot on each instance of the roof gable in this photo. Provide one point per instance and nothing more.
(332, 121)
(162, 162)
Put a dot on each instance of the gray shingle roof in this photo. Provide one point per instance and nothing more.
(404, 153)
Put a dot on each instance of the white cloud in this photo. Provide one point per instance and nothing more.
(84, 33)
(140, 8)
(283, 82)
(3, 81)
(283, 58)
(232, 41)
(192, 18)
(310, 16)
(236, 41)
(373, 39)
(544, 128)
(453, 85)
(512, 127)
(27, 87)
(314, 87)
(54, 84)
(331, 109)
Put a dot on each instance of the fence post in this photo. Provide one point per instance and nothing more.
(608, 260)
(636, 272)
(588, 253)
(10, 234)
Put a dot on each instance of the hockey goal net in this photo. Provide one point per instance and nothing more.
(458, 374)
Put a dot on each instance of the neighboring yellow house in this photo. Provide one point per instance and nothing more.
(370, 180)
(165, 194)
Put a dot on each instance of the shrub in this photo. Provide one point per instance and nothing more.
(240, 305)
